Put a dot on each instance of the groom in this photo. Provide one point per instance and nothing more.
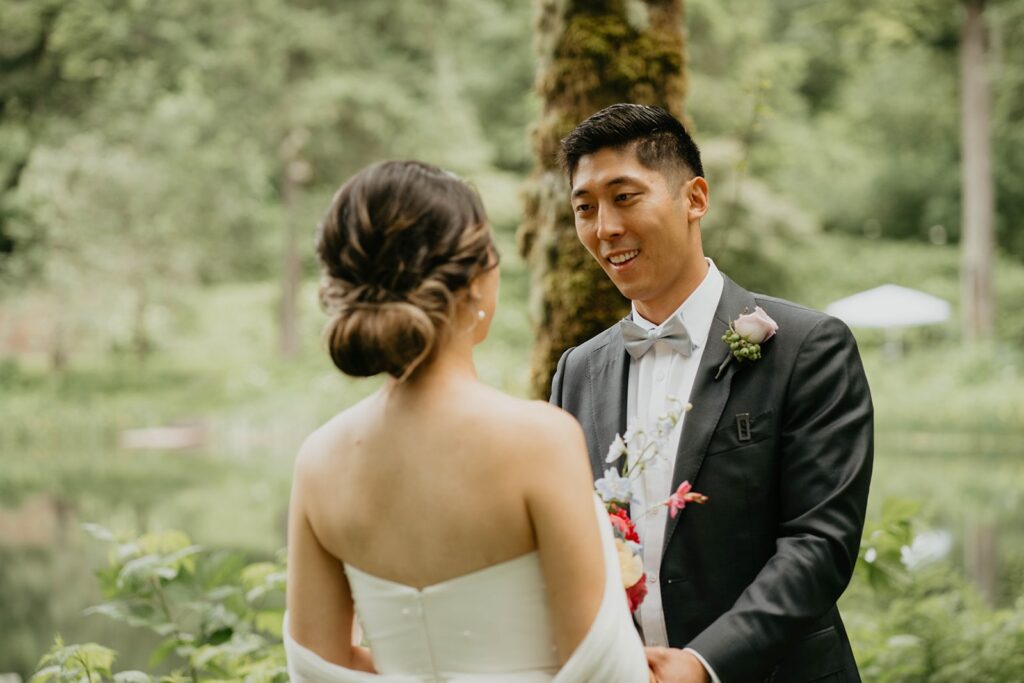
(743, 588)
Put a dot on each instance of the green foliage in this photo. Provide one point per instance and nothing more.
(145, 143)
(820, 269)
(880, 560)
(926, 624)
(28, 616)
(218, 617)
(937, 630)
(859, 121)
(77, 663)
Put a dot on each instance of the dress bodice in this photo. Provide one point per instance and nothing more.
(489, 626)
(494, 620)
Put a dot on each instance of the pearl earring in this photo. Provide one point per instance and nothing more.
(481, 314)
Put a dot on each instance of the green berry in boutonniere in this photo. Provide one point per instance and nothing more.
(746, 334)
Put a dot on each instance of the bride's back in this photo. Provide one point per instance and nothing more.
(425, 485)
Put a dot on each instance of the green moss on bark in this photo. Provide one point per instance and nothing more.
(592, 53)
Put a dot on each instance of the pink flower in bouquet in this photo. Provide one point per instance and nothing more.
(683, 495)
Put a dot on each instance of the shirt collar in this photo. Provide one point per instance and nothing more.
(699, 308)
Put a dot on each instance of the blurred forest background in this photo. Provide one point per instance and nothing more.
(162, 169)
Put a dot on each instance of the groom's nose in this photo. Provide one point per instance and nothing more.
(609, 224)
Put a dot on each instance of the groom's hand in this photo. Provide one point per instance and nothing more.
(675, 666)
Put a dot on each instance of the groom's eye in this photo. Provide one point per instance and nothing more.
(623, 196)
(582, 208)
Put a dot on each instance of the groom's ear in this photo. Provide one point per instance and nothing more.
(699, 202)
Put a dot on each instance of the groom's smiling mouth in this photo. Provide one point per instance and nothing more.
(621, 259)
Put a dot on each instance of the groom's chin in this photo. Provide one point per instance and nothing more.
(622, 283)
(626, 289)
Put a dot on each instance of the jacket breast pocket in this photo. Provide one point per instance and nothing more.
(740, 430)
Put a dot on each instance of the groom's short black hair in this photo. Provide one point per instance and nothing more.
(659, 139)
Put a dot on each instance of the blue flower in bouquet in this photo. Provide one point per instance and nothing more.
(614, 488)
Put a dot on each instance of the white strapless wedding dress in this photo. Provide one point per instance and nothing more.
(489, 626)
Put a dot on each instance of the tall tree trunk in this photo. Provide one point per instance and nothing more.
(592, 53)
(981, 558)
(141, 343)
(290, 272)
(59, 347)
(978, 217)
(295, 174)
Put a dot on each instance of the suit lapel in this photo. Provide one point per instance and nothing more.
(708, 394)
(608, 369)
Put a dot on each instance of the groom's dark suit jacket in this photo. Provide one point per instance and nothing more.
(750, 579)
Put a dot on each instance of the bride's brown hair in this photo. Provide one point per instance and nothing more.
(398, 243)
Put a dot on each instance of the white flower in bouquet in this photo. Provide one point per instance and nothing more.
(614, 488)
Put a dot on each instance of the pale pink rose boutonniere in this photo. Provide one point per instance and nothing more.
(745, 336)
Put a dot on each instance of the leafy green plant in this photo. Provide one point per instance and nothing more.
(926, 624)
(89, 662)
(936, 629)
(880, 560)
(218, 615)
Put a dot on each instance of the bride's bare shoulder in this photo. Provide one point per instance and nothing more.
(537, 424)
(330, 438)
(543, 449)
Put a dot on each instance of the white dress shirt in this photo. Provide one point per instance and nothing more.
(660, 373)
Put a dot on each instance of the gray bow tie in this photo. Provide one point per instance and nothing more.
(672, 331)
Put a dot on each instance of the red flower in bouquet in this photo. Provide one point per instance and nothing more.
(636, 593)
(622, 523)
(627, 546)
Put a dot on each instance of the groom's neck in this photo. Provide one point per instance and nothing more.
(658, 309)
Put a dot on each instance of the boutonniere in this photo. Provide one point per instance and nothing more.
(745, 336)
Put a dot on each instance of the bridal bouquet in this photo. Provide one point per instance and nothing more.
(617, 491)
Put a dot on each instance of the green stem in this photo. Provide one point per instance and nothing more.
(85, 665)
(162, 601)
(256, 611)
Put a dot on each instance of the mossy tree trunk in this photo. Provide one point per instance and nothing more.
(592, 53)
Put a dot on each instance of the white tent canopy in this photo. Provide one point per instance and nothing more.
(890, 306)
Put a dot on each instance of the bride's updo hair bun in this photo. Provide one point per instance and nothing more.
(399, 241)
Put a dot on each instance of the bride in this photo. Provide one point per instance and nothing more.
(459, 523)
